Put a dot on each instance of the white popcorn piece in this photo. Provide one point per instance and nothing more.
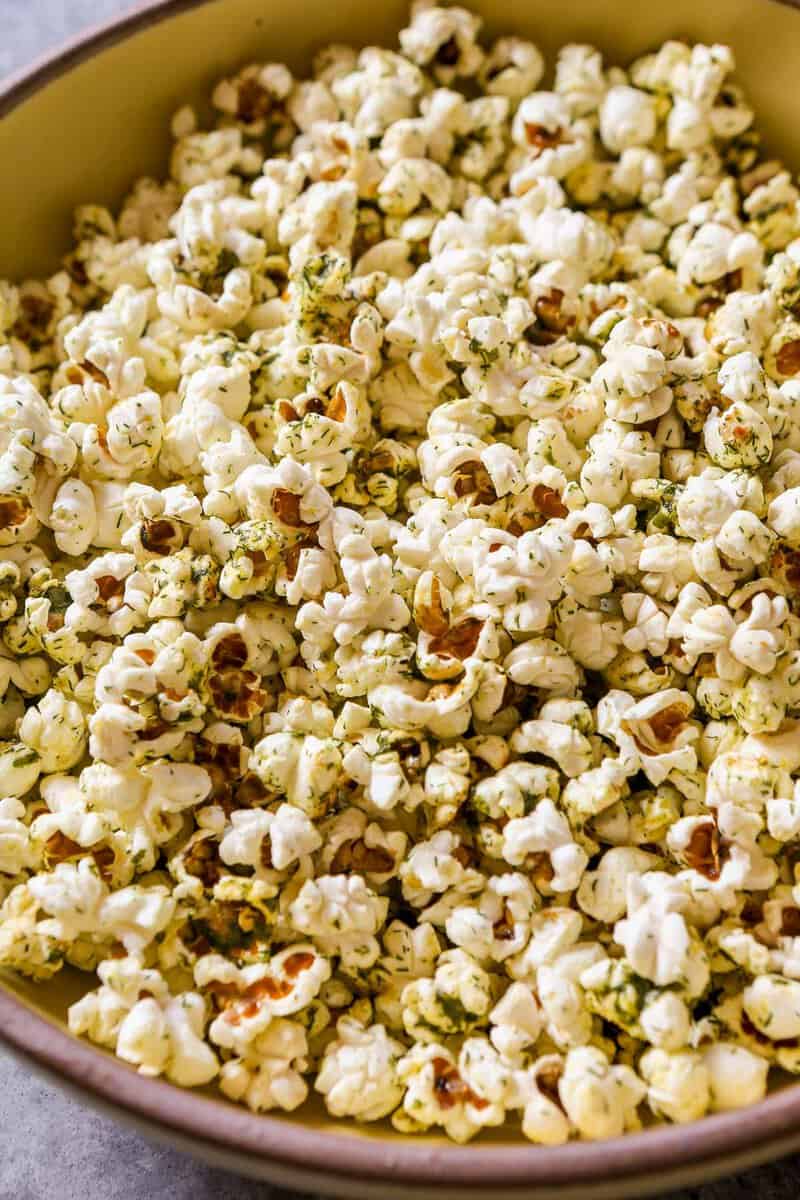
(358, 1076)
(737, 1077)
(773, 1005)
(546, 831)
(342, 914)
(134, 1013)
(516, 1020)
(268, 1075)
(653, 734)
(437, 1093)
(255, 995)
(678, 1085)
(601, 1100)
(16, 852)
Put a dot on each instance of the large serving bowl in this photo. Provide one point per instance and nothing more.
(79, 127)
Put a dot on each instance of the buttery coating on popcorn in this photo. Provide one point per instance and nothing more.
(400, 595)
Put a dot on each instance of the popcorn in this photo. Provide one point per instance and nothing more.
(456, 1000)
(595, 790)
(772, 1003)
(784, 517)
(133, 1013)
(512, 68)
(601, 1100)
(20, 767)
(55, 729)
(351, 842)
(559, 732)
(268, 1075)
(602, 893)
(497, 926)
(517, 1021)
(443, 38)
(740, 437)
(737, 1077)
(546, 831)
(16, 852)
(77, 902)
(302, 767)
(678, 1085)
(616, 993)
(715, 251)
(541, 126)
(544, 1119)
(260, 839)
(665, 1021)
(73, 517)
(252, 997)
(400, 528)
(408, 954)
(657, 941)
(437, 1092)
(627, 118)
(359, 1076)
(617, 458)
(342, 914)
(652, 734)
(563, 1001)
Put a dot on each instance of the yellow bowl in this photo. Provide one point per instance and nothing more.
(80, 126)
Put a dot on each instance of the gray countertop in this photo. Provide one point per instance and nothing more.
(50, 1146)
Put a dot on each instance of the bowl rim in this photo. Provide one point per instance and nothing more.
(217, 1122)
(61, 58)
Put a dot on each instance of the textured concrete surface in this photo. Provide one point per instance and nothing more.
(50, 1146)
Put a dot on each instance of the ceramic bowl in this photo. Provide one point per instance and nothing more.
(80, 126)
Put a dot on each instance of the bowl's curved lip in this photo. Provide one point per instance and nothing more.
(49, 66)
(216, 1122)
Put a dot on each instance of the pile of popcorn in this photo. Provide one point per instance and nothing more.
(400, 595)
